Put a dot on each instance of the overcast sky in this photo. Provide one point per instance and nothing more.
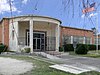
(52, 8)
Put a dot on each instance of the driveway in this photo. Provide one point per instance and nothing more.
(86, 63)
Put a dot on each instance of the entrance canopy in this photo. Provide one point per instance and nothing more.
(38, 32)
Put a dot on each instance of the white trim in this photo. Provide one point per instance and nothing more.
(71, 39)
(91, 40)
(57, 37)
(27, 34)
(40, 19)
(84, 40)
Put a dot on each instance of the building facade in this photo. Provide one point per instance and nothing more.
(40, 33)
(70, 35)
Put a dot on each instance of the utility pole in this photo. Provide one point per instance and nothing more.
(97, 33)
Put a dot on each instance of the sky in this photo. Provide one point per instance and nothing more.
(70, 14)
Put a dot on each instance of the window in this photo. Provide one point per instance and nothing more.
(98, 41)
(66, 39)
(87, 40)
(78, 39)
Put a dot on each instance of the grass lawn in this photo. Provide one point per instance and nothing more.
(92, 54)
(42, 68)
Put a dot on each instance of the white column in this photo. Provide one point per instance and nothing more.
(84, 40)
(71, 39)
(57, 37)
(91, 41)
(31, 35)
(16, 35)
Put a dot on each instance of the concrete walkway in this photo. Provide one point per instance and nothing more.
(69, 59)
(76, 62)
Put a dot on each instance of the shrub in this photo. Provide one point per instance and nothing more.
(68, 47)
(61, 49)
(1, 43)
(99, 47)
(81, 49)
(25, 50)
(92, 47)
(3, 48)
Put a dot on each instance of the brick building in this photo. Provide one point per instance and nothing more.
(70, 35)
(41, 33)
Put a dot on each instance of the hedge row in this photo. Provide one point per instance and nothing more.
(82, 49)
(3, 48)
(69, 47)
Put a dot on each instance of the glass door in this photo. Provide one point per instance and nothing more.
(37, 44)
(38, 40)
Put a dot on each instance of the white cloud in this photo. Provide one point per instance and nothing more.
(93, 14)
(24, 1)
(19, 12)
(83, 16)
(5, 7)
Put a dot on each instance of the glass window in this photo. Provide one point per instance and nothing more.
(78, 39)
(66, 40)
(98, 41)
(87, 40)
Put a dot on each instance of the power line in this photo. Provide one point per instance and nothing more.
(12, 22)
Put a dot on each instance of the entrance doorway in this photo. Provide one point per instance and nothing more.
(38, 40)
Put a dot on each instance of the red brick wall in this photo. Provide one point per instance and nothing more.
(76, 32)
(0, 33)
(6, 32)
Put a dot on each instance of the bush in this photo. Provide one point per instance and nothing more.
(25, 50)
(3, 48)
(61, 49)
(68, 47)
(92, 47)
(99, 47)
(1, 43)
(82, 49)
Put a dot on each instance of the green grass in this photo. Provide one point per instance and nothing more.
(42, 68)
(92, 54)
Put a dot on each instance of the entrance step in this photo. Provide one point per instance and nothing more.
(56, 53)
(46, 55)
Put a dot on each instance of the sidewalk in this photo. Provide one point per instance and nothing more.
(77, 64)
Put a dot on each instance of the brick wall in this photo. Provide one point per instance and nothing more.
(76, 32)
(0, 33)
(6, 31)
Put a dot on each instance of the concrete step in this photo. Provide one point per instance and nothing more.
(69, 68)
(75, 68)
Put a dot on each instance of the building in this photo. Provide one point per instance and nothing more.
(40, 33)
(71, 35)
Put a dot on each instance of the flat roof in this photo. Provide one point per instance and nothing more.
(45, 17)
(75, 28)
(32, 16)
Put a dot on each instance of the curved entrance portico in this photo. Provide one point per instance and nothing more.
(43, 33)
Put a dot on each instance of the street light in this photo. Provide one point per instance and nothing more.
(91, 15)
(97, 33)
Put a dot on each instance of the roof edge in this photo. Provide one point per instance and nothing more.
(76, 28)
(32, 16)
